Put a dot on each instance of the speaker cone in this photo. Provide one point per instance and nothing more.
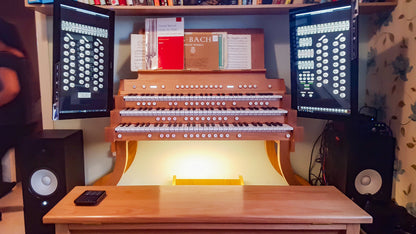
(43, 182)
(368, 181)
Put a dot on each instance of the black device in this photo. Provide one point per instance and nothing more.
(50, 165)
(90, 198)
(324, 60)
(83, 54)
(359, 162)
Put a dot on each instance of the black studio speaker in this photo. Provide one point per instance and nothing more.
(360, 161)
(51, 164)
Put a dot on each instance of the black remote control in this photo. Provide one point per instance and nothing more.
(90, 198)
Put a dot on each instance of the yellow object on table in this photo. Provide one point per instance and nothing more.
(238, 181)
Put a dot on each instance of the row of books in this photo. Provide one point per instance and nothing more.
(166, 45)
(176, 2)
(193, 2)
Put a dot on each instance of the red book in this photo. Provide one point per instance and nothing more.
(164, 43)
(170, 52)
(170, 36)
(122, 2)
(97, 2)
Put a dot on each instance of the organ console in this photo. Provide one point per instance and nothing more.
(206, 105)
(195, 105)
(173, 105)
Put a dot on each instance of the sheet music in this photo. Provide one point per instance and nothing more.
(137, 52)
(238, 51)
(151, 56)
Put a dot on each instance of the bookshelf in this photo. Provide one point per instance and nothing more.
(365, 8)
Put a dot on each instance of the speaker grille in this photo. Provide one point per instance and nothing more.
(43, 182)
(368, 181)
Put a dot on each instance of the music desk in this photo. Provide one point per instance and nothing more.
(210, 209)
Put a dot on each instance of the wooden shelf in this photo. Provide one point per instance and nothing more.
(365, 8)
(166, 71)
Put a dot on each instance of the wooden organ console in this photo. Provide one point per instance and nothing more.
(201, 106)
(173, 105)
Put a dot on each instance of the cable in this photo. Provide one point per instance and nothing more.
(310, 160)
(320, 178)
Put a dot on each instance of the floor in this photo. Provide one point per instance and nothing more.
(11, 207)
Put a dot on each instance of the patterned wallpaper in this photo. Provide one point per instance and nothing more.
(391, 87)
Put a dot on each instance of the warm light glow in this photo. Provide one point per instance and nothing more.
(157, 161)
(197, 163)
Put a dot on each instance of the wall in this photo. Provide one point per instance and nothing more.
(391, 87)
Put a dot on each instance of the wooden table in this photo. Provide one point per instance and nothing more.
(208, 209)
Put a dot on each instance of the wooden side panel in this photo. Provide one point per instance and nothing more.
(279, 156)
(119, 168)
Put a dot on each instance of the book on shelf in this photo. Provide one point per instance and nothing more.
(222, 53)
(217, 50)
(238, 51)
(151, 44)
(164, 43)
(137, 55)
(140, 2)
(34, 1)
(180, 2)
(266, 1)
(202, 50)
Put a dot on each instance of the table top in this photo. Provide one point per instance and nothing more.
(211, 204)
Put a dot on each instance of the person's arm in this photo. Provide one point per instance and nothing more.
(9, 87)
